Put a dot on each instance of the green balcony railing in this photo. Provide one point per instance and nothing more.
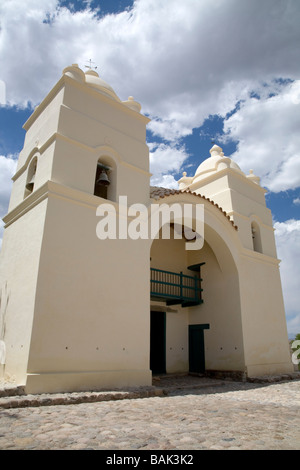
(175, 288)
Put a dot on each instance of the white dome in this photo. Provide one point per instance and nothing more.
(93, 80)
(216, 162)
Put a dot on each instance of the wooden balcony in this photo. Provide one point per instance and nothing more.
(176, 288)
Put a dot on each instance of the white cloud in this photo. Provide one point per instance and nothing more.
(287, 236)
(169, 129)
(184, 61)
(164, 181)
(267, 130)
(297, 201)
(166, 159)
(181, 59)
(7, 169)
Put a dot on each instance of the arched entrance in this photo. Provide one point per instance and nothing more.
(204, 333)
(175, 289)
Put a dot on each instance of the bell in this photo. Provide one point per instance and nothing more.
(30, 184)
(103, 179)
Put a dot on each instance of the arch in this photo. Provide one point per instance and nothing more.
(158, 193)
(256, 237)
(220, 303)
(105, 185)
(215, 219)
(109, 151)
(34, 152)
(30, 178)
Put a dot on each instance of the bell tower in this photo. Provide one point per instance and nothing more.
(265, 339)
(64, 327)
(241, 197)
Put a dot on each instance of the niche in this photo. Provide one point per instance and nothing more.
(30, 180)
(256, 237)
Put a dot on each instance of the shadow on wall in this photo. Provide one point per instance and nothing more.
(4, 301)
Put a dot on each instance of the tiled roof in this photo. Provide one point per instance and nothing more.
(159, 193)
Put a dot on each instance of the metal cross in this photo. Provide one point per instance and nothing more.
(90, 65)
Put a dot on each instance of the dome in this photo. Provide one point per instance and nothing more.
(93, 80)
(216, 162)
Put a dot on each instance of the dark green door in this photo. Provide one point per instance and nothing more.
(158, 343)
(196, 348)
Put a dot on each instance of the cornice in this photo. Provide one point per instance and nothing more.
(27, 204)
(255, 256)
(52, 189)
(218, 174)
(65, 80)
(93, 150)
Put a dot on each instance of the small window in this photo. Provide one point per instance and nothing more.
(102, 181)
(30, 180)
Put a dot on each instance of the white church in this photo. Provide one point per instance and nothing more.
(83, 313)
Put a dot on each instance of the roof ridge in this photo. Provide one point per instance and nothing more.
(158, 192)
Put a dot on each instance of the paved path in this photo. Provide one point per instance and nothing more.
(219, 415)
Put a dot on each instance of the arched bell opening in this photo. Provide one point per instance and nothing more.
(30, 179)
(105, 179)
(256, 237)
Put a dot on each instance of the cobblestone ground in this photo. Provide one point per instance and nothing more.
(231, 416)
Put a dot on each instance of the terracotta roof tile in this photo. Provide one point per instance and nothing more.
(157, 192)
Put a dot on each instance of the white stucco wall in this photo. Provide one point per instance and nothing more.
(19, 264)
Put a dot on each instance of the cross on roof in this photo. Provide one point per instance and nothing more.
(90, 65)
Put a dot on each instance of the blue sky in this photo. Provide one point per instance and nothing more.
(225, 71)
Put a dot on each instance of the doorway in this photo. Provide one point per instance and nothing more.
(158, 342)
(196, 348)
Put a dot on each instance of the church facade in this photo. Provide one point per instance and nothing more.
(81, 311)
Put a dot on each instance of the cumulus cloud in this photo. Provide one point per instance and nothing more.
(188, 59)
(184, 61)
(287, 236)
(166, 159)
(267, 131)
(7, 169)
(164, 181)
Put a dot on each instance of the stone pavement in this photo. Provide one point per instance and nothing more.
(177, 413)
